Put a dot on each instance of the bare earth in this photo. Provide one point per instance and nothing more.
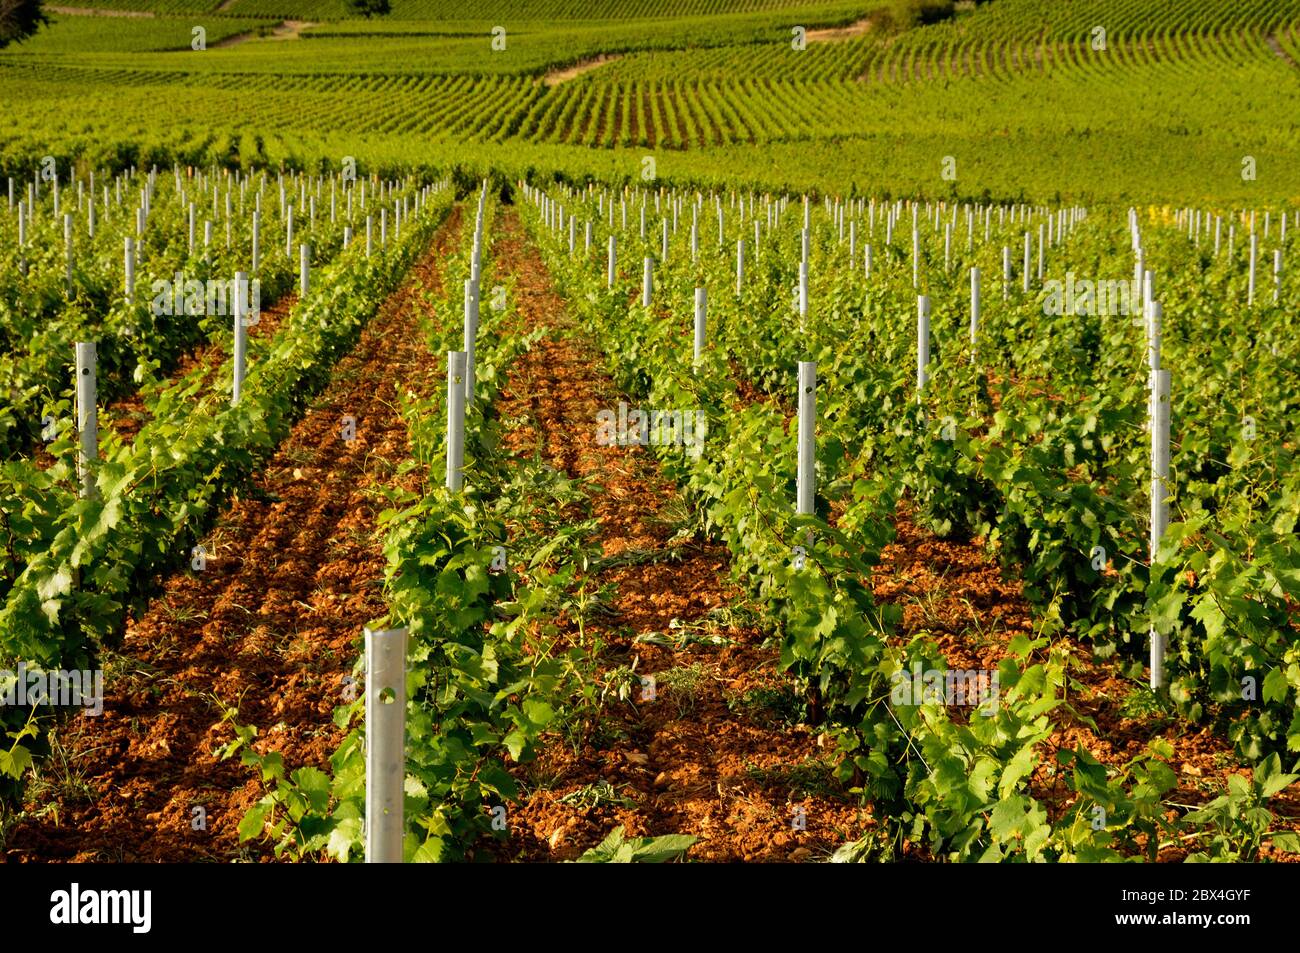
(557, 76)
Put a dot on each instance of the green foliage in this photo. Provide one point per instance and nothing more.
(369, 8)
(19, 19)
(617, 849)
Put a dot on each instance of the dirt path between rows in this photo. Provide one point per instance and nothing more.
(1280, 52)
(271, 627)
(717, 752)
(831, 34)
(285, 30)
(557, 76)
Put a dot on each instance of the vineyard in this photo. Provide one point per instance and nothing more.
(702, 431)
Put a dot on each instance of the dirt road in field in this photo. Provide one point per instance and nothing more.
(270, 628)
(717, 753)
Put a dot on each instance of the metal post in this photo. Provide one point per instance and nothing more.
(803, 291)
(974, 310)
(87, 415)
(385, 745)
(916, 252)
(241, 335)
(806, 492)
(647, 282)
(128, 267)
(304, 270)
(455, 420)
(701, 303)
(612, 257)
(1160, 386)
(922, 343)
(471, 336)
(1026, 273)
(67, 244)
(257, 236)
(1254, 251)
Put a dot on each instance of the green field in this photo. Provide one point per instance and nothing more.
(1012, 90)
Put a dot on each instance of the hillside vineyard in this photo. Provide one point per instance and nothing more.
(701, 431)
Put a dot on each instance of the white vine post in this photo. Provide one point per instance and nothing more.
(974, 310)
(916, 252)
(1028, 243)
(1277, 273)
(612, 258)
(1160, 385)
(1006, 271)
(22, 237)
(385, 744)
(471, 336)
(455, 420)
(129, 268)
(803, 292)
(87, 414)
(806, 485)
(740, 266)
(257, 240)
(647, 281)
(304, 270)
(67, 244)
(701, 304)
(1254, 251)
(922, 343)
(241, 335)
